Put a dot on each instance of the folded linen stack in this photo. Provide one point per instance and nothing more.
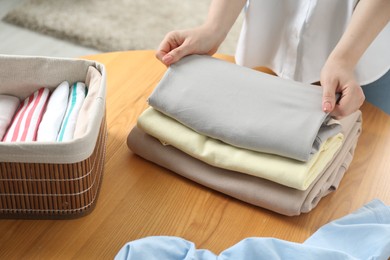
(255, 137)
(48, 118)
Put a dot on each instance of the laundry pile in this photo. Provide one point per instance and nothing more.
(44, 116)
(256, 137)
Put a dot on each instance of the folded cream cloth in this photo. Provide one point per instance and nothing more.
(93, 83)
(253, 190)
(75, 101)
(8, 106)
(244, 107)
(285, 171)
(54, 114)
(24, 126)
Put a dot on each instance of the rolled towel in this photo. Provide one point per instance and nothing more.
(54, 114)
(77, 95)
(8, 106)
(25, 124)
(244, 107)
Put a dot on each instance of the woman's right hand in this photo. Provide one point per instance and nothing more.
(177, 44)
(204, 39)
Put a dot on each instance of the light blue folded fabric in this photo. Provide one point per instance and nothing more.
(244, 107)
(364, 234)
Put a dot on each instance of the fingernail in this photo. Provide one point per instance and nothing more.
(327, 107)
(167, 58)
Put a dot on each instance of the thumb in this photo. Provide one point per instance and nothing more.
(328, 97)
(176, 54)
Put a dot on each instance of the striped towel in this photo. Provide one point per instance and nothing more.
(54, 114)
(8, 106)
(77, 95)
(25, 124)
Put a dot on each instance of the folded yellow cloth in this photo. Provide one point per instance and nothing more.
(282, 170)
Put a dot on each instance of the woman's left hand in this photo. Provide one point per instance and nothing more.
(338, 77)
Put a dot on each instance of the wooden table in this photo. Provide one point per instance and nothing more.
(139, 199)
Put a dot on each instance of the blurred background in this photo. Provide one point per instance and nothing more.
(72, 28)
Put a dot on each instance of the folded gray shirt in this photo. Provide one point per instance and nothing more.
(244, 107)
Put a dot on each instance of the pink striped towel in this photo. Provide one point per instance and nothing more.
(25, 124)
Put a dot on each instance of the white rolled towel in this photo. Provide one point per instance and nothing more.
(54, 114)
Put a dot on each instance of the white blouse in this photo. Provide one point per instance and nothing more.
(295, 37)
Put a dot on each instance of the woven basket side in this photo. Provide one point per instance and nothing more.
(43, 190)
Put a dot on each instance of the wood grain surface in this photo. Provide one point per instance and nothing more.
(139, 199)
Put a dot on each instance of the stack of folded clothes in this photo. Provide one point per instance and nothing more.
(258, 138)
(46, 116)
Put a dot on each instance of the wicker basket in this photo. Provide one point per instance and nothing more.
(51, 180)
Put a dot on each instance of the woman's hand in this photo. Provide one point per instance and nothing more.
(204, 39)
(338, 77)
(177, 44)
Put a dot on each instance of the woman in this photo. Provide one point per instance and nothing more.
(339, 43)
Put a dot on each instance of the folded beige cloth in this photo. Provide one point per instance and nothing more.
(254, 190)
(283, 170)
(93, 83)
